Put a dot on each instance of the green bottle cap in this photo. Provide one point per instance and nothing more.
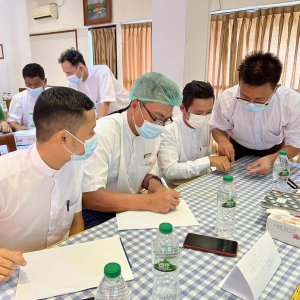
(112, 270)
(165, 228)
(228, 178)
(283, 152)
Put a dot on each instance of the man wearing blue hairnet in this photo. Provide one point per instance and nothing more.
(125, 160)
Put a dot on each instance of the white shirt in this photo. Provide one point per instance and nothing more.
(183, 152)
(102, 86)
(262, 130)
(21, 109)
(33, 200)
(121, 160)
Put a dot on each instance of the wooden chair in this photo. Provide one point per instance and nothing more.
(8, 140)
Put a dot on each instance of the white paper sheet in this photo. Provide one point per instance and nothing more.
(250, 276)
(69, 269)
(182, 216)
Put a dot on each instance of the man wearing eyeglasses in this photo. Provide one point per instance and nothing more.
(125, 160)
(258, 117)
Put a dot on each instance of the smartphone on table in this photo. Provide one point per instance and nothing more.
(211, 244)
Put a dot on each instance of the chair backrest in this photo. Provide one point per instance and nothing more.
(8, 139)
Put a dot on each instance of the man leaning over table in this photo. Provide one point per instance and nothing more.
(125, 160)
(184, 149)
(258, 116)
(40, 187)
(21, 107)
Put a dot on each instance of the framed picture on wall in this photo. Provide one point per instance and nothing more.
(96, 12)
(1, 52)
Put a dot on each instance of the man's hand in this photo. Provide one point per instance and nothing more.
(9, 261)
(220, 162)
(262, 165)
(163, 200)
(226, 149)
(4, 127)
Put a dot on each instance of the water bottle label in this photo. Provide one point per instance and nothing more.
(165, 266)
(229, 203)
(284, 172)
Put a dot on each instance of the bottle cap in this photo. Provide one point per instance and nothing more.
(228, 178)
(165, 228)
(112, 270)
(283, 152)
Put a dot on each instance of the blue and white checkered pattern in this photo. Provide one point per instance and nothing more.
(200, 272)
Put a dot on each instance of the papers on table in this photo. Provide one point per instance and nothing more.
(182, 216)
(251, 275)
(69, 269)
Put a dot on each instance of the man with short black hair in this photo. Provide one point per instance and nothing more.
(97, 82)
(40, 187)
(258, 116)
(184, 149)
(20, 116)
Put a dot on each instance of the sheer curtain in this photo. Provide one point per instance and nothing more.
(104, 47)
(233, 35)
(137, 51)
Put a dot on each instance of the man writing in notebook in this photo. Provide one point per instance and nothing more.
(40, 188)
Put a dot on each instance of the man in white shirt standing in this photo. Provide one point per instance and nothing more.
(125, 160)
(97, 82)
(40, 188)
(258, 116)
(21, 108)
(184, 149)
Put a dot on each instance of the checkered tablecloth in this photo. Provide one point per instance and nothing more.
(200, 272)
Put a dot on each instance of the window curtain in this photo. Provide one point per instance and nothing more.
(233, 35)
(104, 47)
(136, 51)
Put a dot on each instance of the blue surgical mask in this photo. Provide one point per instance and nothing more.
(253, 107)
(35, 92)
(74, 79)
(89, 147)
(148, 130)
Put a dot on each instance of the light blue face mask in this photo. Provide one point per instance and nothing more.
(253, 107)
(148, 130)
(74, 79)
(35, 92)
(89, 147)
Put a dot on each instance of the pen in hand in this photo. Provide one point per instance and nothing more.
(164, 183)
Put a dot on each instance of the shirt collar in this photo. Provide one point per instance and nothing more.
(127, 129)
(39, 163)
(185, 127)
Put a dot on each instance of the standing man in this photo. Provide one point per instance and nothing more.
(258, 116)
(20, 115)
(184, 149)
(40, 187)
(125, 160)
(97, 82)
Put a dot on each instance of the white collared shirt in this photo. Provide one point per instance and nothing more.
(183, 152)
(21, 109)
(262, 130)
(34, 209)
(121, 160)
(102, 86)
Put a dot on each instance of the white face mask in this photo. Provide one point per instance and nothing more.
(199, 121)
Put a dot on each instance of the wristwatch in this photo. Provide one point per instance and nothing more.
(154, 177)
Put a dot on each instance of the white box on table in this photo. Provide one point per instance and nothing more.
(285, 228)
(25, 137)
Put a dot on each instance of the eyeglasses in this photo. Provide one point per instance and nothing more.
(156, 121)
(267, 99)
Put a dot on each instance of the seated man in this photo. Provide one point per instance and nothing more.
(258, 116)
(21, 107)
(97, 82)
(4, 127)
(184, 148)
(40, 188)
(124, 161)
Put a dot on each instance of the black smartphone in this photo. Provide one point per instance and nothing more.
(211, 244)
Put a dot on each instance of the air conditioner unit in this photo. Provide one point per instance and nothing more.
(43, 12)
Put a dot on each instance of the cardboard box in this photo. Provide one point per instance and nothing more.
(285, 228)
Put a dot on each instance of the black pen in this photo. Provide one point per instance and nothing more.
(68, 205)
(292, 184)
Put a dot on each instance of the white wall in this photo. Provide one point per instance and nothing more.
(14, 36)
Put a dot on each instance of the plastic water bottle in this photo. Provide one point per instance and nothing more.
(112, 286)
(165, 264)
(227, 200)
(281, 171)
(3, 104)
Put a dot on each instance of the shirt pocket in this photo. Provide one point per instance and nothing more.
(69, 212)
(149, 160)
